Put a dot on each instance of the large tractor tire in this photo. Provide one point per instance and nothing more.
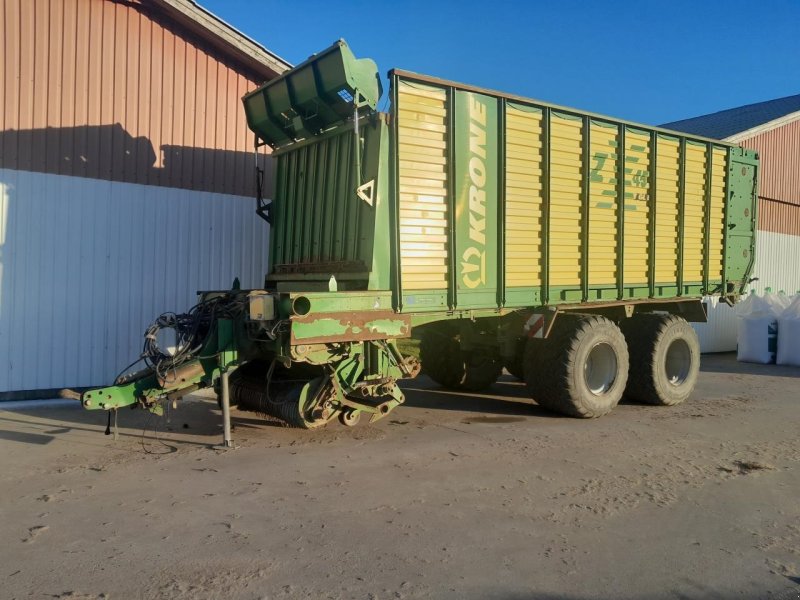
(581, 369)
(444, 361)
(665, 359)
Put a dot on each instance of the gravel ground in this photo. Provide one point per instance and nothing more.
(451, 496)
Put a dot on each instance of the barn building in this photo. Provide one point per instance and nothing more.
(126, 179)
(771, 128)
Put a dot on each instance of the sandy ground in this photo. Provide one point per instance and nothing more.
(451, 496)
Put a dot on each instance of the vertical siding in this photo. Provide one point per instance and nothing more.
(777, 263)
(719, 333)
(75, 297)
(113, 90)
(125, 184)
(779, 150)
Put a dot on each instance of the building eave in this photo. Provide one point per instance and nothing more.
(763, 128)
(227, 38)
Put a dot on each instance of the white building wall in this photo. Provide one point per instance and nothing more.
(777, 267)
(87, 264)
(777, 262)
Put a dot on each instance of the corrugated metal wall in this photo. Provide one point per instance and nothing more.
(777, 262)
(126, 181)
(76, 293)
(114, 90)
(719, 333)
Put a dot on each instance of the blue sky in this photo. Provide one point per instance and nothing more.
(646, 61)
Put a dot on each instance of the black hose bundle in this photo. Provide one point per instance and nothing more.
(191, 330)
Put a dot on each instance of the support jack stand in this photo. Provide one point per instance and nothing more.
(225, 401)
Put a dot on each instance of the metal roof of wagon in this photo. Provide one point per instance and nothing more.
(733, 122)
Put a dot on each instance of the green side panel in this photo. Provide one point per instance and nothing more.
(327, 302)
(376, 162)
(321, 226)
(741, 217)
(476, 208)
(318, 94)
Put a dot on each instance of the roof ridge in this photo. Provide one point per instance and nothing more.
(732, 121)
(737, 108)
(227, 37)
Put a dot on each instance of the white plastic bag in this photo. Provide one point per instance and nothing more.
(789, 334)
(758, 328)
(779, 301)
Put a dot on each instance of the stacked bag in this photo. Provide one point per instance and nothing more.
(789, 334)
(769, 329)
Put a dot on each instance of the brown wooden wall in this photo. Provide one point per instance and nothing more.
(779, 185)
(116, 90)
(779, 150)
(778, 217)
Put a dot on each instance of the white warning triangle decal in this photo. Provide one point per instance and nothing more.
(365, 191)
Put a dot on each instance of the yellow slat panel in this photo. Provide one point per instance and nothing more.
(433, 164)
(694, 221)
(523, 183)
(414, 174)
(637, 222)
(667, 183)
(435, 188)
(410, 239)
(565, 201)
(717, 212)
(603, 207)
(423, 186)
(421, 151)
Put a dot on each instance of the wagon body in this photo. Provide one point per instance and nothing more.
(477, 200)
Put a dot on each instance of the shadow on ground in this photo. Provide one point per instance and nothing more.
(506, 397)
(197, 422)
(727, 363)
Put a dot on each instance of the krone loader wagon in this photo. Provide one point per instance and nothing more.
(568, 247)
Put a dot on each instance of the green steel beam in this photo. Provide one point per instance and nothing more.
(681, 210)
(394, 186)
(501, 202)
(584, 271)
(652, 204)
(621, 211)
(726, 217)
(707, 216)
(450, 147)
(545, 241)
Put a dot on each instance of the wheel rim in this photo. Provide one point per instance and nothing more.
(350, 418)
(678, 362)
(600, 369)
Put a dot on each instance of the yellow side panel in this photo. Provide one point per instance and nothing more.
(717, 214)
(423, 187)
(565, 201)
(694, 221)
(667, 200)
(603, 191)
(523, 197)
(637, 212)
